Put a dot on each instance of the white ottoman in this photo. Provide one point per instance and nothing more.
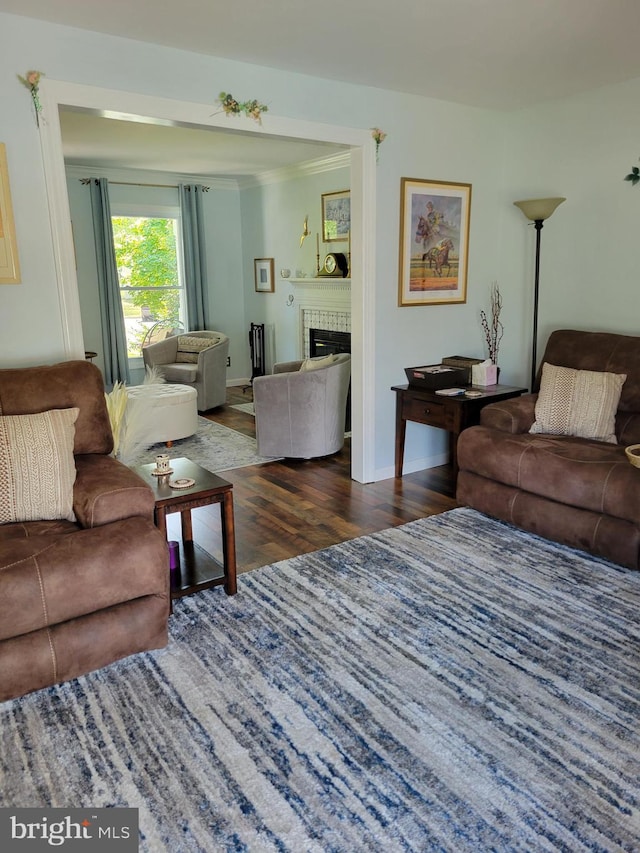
(162, 412)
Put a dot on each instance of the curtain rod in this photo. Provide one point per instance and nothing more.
(86, 181)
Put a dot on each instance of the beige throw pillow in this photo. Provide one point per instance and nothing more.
(317, 362)
(578, 402)
(190, 346)
(37, 468)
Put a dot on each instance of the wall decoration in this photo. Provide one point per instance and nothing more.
(32, 81)
(9, 264)
(434, 242)
(336, 216)
(379, 137)
(252, 109)
(264, 277)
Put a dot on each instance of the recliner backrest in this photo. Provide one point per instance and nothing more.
(26, 390)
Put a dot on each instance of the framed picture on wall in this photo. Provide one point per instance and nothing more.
(9, 264)
(336, 216)
(434, 242)
(263, 272)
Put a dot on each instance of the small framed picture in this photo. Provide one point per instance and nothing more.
(336, 216)
(434, 242)
(264, 278)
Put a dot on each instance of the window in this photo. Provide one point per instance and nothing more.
(149, 270)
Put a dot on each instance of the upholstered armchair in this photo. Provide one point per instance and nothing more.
(554, 462)
(300, 408)
(198, 359)
(84, 572)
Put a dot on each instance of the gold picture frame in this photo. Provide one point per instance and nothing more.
(336, 216)
(264, 275)
(9, 263)
(434, 242)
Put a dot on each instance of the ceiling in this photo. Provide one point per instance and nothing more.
(89, 140)
(496, 54)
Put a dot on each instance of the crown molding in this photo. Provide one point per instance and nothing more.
(273, 176)
(297, 170)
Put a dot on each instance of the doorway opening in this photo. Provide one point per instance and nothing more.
(146, 109)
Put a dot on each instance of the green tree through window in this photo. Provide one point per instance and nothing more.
(147, 261)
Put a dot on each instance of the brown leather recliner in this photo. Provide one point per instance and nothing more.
(576, 491)
(76, 596)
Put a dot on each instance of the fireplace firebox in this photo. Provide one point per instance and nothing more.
(326, 342)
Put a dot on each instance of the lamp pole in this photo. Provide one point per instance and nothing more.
(537, 210)
(538, 223)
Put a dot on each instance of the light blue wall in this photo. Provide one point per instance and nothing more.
(272, 220)
(580, 148)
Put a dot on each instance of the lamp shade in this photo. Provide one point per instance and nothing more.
(537, 209)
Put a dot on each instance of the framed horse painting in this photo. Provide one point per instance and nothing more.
(434, 242)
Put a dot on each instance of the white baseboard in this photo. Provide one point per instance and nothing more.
(412, 465)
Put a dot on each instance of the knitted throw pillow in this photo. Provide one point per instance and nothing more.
(578, 402)
(190, 347)
(37, 468)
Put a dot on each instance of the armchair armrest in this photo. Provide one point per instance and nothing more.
(105, 490)
(162, 352)
(514, 416)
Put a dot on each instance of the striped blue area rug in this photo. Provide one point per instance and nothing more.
(450, 685)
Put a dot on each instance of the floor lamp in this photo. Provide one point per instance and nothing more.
(537, 210)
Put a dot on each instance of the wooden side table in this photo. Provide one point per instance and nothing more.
(198, 569)
(449, 413)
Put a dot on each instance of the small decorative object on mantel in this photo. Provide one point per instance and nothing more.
(32, 81)
(335, 265)
(252, 109)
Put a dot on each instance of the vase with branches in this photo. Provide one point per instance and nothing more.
(491, 326)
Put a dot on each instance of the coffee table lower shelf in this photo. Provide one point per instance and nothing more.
(197, 570)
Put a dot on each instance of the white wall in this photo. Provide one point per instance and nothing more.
(580, 148)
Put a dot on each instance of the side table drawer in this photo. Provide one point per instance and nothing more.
(424, 412)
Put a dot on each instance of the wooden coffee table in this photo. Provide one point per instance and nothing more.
(198, 569)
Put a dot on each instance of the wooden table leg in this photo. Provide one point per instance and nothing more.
(453, 453)
(401, 429)
(161, 520)
(187, 529)
(228, 544)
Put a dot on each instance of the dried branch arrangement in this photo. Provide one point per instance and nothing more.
(493, 330)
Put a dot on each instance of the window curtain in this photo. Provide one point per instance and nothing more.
(114, 340)
(195, 261)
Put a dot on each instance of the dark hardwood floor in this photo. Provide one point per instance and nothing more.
(291, 507)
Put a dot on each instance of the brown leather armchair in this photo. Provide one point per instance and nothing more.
(578, 491)
(78, 595)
